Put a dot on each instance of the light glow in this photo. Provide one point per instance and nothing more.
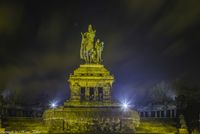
(125, 105)
(53, 104)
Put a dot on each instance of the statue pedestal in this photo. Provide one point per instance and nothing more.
(91, 82)
(91, 118)
(90, 108)
(2, 130)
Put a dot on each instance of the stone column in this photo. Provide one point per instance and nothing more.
(175, 113)
(155, 114)
(170, 113)
(105, 93)
(160, 114)
(74, 92)
(108, 93)
(165, 113)
(149, 113)
(87, 93)
(72, 96)
(96, 93)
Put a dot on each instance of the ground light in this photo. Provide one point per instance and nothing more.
(53, 104)
(125, 105)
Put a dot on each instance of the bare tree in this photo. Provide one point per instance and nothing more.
(162, 93)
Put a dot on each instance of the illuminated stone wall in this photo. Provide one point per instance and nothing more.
(86, 119)
(91, 77)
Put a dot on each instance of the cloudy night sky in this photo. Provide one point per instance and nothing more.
(145, 42)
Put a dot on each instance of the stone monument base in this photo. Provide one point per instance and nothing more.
(84, 119)
(2, 130)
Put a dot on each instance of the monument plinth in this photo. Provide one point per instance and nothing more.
(91, 82)
(90, 107)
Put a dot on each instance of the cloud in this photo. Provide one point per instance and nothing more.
(176, 49)
(178, 16)
(11, 15)
(51, 29)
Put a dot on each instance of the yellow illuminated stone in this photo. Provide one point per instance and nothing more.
(90, 107)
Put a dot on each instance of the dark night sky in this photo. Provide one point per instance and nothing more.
(145, 42)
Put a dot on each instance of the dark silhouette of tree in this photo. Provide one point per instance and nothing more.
(161, 93)
(188, 102)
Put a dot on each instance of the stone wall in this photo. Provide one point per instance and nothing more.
(107, 119)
